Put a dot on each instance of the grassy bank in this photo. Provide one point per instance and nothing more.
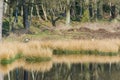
(38, 51)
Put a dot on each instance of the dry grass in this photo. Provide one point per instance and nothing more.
(10, 49)
(44, 48)
(34, 48)
(100, 45)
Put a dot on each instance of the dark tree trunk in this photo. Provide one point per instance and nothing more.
(113, 11)
(16, 14)
(25, 15)
(90, 11)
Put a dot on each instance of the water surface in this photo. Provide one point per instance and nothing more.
(70, 67)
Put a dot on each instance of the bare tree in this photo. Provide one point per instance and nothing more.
(68, 13)
(1, 15)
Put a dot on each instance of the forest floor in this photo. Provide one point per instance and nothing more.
(78, 31)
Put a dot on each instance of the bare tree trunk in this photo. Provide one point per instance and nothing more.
(110, 10)
(1, 15)
(37, 9)
(101, 9)
(90, 10)
(81, 12)
(68, 13)
(95, 10)
(45, 14)
(31, 12)
(21, 11)
(5, 7)
(10, 19)
(16, 12)
(118, 12)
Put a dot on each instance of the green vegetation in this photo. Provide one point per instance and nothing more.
(84, 52)
(85, 17)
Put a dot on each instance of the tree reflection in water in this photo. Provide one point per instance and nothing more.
(77, 71)
(63, 68)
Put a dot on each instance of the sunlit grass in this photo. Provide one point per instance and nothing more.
(8, 50)
(47, 48)
(93, 45)
(34, 48)
(31, 52)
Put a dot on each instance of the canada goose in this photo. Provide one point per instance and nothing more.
(26, 40)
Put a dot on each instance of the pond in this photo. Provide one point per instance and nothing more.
(64, 67)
